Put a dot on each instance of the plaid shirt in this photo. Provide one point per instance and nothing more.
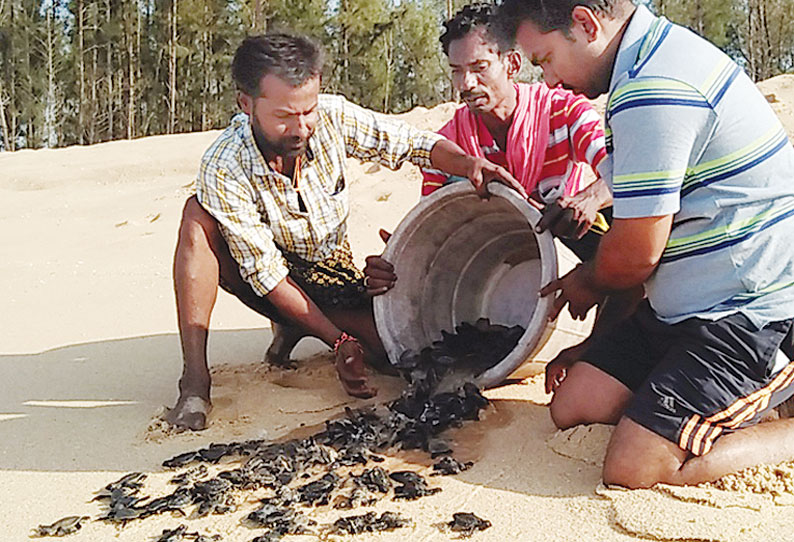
(258, 209)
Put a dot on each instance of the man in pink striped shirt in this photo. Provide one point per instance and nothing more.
(545, 137)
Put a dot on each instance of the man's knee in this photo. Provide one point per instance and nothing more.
(198, 227)
(564, 410)
(639, 458)
(194, 216)
(588, 395)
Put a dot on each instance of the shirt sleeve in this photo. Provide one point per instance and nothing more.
(658, 129)
(372, 137)
(230, 201)
(433, 179)
(585, 132)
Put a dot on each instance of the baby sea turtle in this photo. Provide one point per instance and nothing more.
(448, 465)
(467, 523)
(284, 497)
(122, 514)
(175, 502)
(181, 460)
(369, 523)
(173, 535)
(283, 520)
(318, 492)
(127, 485)
(357, 496)
(374, 479)
(133, 480)
(215, 452)
(213, 496)
(62, 527)
(412, 487)
(191, 475)
(180, 533)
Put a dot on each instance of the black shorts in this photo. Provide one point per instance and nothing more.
(334, 283)
(698, 379)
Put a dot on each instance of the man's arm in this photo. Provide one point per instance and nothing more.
(653, 143)
(295, 305)
(433, 179)
(231, 203)
(585, 133)
(373, 137)
(450, 158)
(573, 214)
(627, 256)
(630, 251)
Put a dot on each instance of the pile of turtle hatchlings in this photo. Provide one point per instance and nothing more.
(338, 466)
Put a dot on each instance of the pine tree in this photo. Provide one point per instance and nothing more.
(711, 19)
(6, 142)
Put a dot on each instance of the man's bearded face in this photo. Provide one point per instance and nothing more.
(283, 117)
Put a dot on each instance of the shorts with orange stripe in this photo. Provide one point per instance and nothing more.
(699, 379)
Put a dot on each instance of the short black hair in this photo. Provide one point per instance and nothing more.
(547, 15)
(294, 59)
(470, 18)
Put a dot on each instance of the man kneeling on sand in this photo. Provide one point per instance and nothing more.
(268, 221)
(701, 176)
(544, 136)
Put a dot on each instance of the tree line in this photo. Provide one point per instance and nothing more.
(87, 71)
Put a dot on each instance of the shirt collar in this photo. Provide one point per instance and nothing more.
(633, 39)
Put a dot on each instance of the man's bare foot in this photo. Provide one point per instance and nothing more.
(190, 412)
(284, 340)
(352, 371)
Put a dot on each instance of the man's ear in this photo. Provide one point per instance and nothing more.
(245, 102)
(585, 20)
(512, 61)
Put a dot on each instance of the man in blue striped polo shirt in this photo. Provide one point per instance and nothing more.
(702, 176)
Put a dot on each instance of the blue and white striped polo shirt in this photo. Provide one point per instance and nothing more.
(689, 134)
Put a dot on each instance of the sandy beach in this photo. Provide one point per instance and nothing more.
(89, 356)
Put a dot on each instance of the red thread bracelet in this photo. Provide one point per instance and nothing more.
(344, 338)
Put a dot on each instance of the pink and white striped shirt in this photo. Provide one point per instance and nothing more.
(576, 137)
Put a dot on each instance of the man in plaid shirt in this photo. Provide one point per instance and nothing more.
(268, 222)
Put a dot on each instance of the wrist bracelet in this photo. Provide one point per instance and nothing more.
(344, 338)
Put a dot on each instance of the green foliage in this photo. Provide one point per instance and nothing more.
(709, 18)
(85, 71)
(759, 34)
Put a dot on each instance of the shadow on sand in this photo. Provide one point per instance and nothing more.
(86, 407)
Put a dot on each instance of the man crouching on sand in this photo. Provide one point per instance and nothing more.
(268, 221)
(701, 177)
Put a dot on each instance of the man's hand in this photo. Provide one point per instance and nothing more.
(575, 289)
(557, 369)
(379, 275)
(571, 216)
(448, 157)
(563, 221)
(352, 371)
(481, 171)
